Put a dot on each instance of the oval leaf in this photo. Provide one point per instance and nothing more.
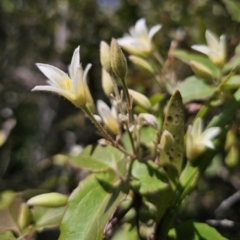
(89, 208)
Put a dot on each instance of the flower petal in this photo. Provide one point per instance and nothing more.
(209, 144)
(55, 75)
(141, 28)
(86, 70)
(107, 117)
(75, 62)
(68, 95)
(201, 48)
(212, 40)
(78, 86)
(210, 133)
(153, 31)
(197, 128)
(126, 41)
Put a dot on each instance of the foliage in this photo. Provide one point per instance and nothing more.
(151, 151)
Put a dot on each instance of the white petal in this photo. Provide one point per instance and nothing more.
(132, 32)
(98, 118)
(153, 31)
(210, 133)
(103, 109)
(212, 40)
(141, 28)
(77, 82)
(125, 41)
(86, 70)
(68, 95)
(201, 48)
(75, 62)
(55, 75)
(197, 128)
(209, 144)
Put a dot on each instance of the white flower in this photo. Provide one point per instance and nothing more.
(108, 117)
(197, 140)
(73, 86)
(139, 41)
(215, 48)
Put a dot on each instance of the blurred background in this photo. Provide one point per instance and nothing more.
(38, 125)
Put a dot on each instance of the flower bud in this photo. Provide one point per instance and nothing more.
(141, 64)
(107, 84)
(201, 71)
(48, 200)
(149, 119)
(108, 117)
(166, 141)
(140, 99)
(118, 60)
(24, 217)
(105, 56)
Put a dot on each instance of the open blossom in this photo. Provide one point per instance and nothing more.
(139, 41)
(73, 86)
(215, 48)
(198, 140)
(108, 116)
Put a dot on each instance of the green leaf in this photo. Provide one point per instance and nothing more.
(99, 159)
(174, 124)
(127, 231)
(7, 236)
(233, 8)
(233, 82)
(9, 214)
(147, 136)
(187, 57)
(147, 179)
(193, 88)
(90, 207)
(195, 231)
(44, 217)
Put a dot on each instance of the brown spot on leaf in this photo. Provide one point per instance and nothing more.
(170, 118)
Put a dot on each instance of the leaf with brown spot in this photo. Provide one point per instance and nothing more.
(174, 123)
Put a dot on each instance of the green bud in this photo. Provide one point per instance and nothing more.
(48, 200)
(107, 83)
(24, 217)
(201, 71)
(140, 99)
(166, 141)
(118, 60)
(105, 56)
(141, 64)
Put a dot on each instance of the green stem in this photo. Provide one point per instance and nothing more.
(117, 94)
(129, 101)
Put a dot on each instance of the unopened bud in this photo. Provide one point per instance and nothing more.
(108, 117)
(141, 64)
(140, 99)
(201, 71)
(48, 200)
(149, 119)
(105, 56)
(166, 141)
(118, 60)
(107, 83)
(24, 217)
